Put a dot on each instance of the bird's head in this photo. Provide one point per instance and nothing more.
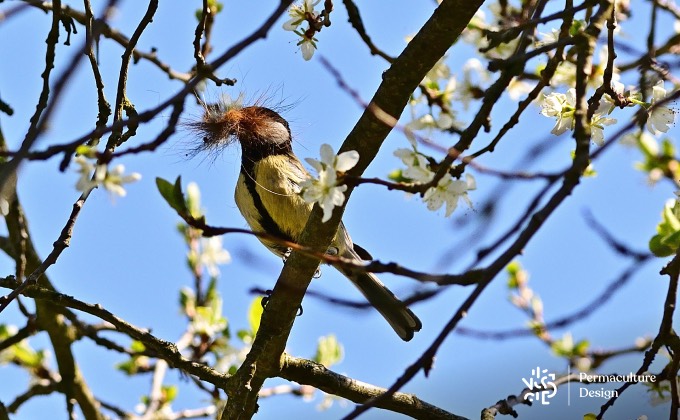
(259, 130)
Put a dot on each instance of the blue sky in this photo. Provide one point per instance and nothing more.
(127, 255)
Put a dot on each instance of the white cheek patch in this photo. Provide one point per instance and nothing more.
(275, 132)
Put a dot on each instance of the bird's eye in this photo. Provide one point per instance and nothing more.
(332, 251)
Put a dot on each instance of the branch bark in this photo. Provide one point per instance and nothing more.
(306, 372)
(399, 81)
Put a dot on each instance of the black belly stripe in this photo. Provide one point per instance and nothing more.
(266, 220)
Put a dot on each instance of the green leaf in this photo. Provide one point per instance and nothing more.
(667, 239)
(670, 218)
(208, 320)
(214, 6)
(658, 248)
(513, 270)
(255, 315)
(137, 346)
(170, 392)
(589, 416)
(87, 151)
(667, 148)
(28, 357)
(576, 27)
(563, 347)
(245, 336)
(211, 293)
(329, 351)
(133, 365)
(129, 367)
(7, 331)
(581, 348)
(397, 176)
(173, 194)
(672, 240)
(536, 327)
(187, 301)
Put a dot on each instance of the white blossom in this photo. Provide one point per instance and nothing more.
(449, 191)
(416, 165)
(474, 75)
(85, 182)
(193, 198)
(339, 163)
(562, 107)
(447, 94)
(324, 189)
(642, 139)
(660, 117)
(565, 74)
(299, 14)
(608, 104)
(307, 47)
(443, 122)
(596, 127)
(548, 38)
(472, 33)
(213, 254)
(208, 320)
(655, 175)
(112, 180)
(426, 121)
(518, 87)
(439, 71)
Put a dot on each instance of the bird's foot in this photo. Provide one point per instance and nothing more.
(267, 296)
(286, 254)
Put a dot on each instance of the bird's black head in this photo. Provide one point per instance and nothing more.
(260, 131)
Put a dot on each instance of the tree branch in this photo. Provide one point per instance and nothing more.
(399, 82)
(317, 375)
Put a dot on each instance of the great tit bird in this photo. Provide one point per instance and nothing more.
(268, 196)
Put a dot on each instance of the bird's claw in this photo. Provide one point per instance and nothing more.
(286, 254)
(265, 298)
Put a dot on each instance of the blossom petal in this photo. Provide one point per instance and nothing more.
(292, 24)
(451, 204)
(658, 91)
(562, 125)
(346, 160)
(318, 167)
(471, 182)
(571, 97)
(307, 48)
(597, 136)
(327, 155)
(445, 121)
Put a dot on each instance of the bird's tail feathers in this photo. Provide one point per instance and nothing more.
(404, 322)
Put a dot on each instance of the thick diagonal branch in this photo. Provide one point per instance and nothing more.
(387, 104)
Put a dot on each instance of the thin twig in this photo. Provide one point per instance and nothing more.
(58, 247)
(354, 18)
(665, 334)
